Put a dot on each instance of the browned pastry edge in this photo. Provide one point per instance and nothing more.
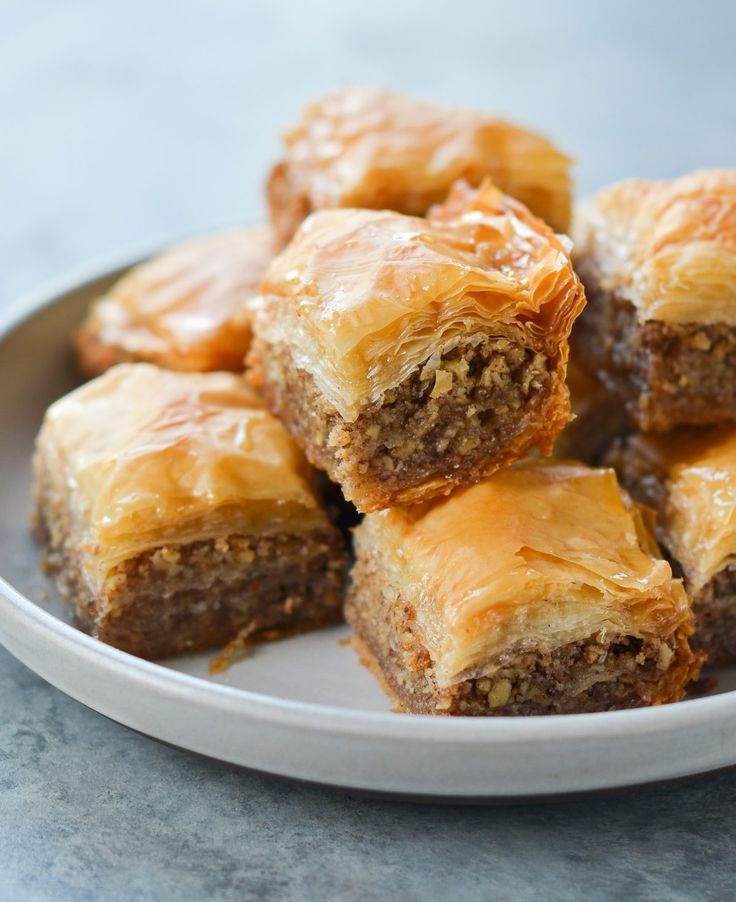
(714, 605)
(410, 447)
(183, 598)
(667, 374)
(95, 356)
(597, 674)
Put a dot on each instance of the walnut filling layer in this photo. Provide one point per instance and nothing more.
(599, 673)
(181, 599)
(455, 420)
(668, 374)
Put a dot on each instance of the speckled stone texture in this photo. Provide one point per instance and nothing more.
(123, 123)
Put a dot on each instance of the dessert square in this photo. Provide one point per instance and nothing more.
(186, 309)
(539, 591)
(658, 260)
(407, 355)
(177, 514)
(372, 148)
(689, 477)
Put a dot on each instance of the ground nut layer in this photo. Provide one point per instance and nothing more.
(597, 674)
(478, 408)
(667, 374)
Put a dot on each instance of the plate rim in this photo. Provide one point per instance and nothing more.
(322, 717)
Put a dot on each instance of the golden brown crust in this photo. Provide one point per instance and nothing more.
(667, 247)
(187, 309)
(376, 149)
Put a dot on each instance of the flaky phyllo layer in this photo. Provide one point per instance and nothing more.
(363, 147)
(668, 247)
(143, 456)
(361, 298)
(188, 308)
(697, 469)
(544, 554)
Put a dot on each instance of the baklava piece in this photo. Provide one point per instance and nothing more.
(177, 514)
(407, 355)
(538, 591)
(187, 309)
(599, 418)
(658, 260)
(689, 477)
(379, 150)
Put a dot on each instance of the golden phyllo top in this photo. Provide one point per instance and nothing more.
(367, 147)
(362, 297)
(188, 308)
(697, 469)
(668, 247)
(545, 553)
(156, 456)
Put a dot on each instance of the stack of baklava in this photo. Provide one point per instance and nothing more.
(405, 323)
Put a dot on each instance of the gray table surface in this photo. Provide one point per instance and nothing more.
(125, 123)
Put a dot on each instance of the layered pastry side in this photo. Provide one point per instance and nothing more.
(689, 477)
(658, 260)
(187, 309)
(598, 418)
(177, 514)
(407, 355)
(539, 591)
(372, 148)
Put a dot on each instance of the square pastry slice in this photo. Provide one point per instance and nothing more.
(186, 309)
(658, 260)
(178, 514)
(411, 355)
(689, 477)
(538, 591)
(376, 149)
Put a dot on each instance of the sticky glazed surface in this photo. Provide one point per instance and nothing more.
(144, 456)
(667, 247)
(362, 297)
(693, 475)
(363, 147)
(186, 309)
(545, 554)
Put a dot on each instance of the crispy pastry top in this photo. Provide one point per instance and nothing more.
(539, 555)
(143, 456)
(188, 308)
(697, 468)
(368, 147)
(668, 247)
(362, 297)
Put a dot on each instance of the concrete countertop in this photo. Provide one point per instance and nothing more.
(126, 123)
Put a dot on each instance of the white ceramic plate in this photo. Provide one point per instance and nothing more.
(303, 707)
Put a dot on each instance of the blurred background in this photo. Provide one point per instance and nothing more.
(124, 123)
